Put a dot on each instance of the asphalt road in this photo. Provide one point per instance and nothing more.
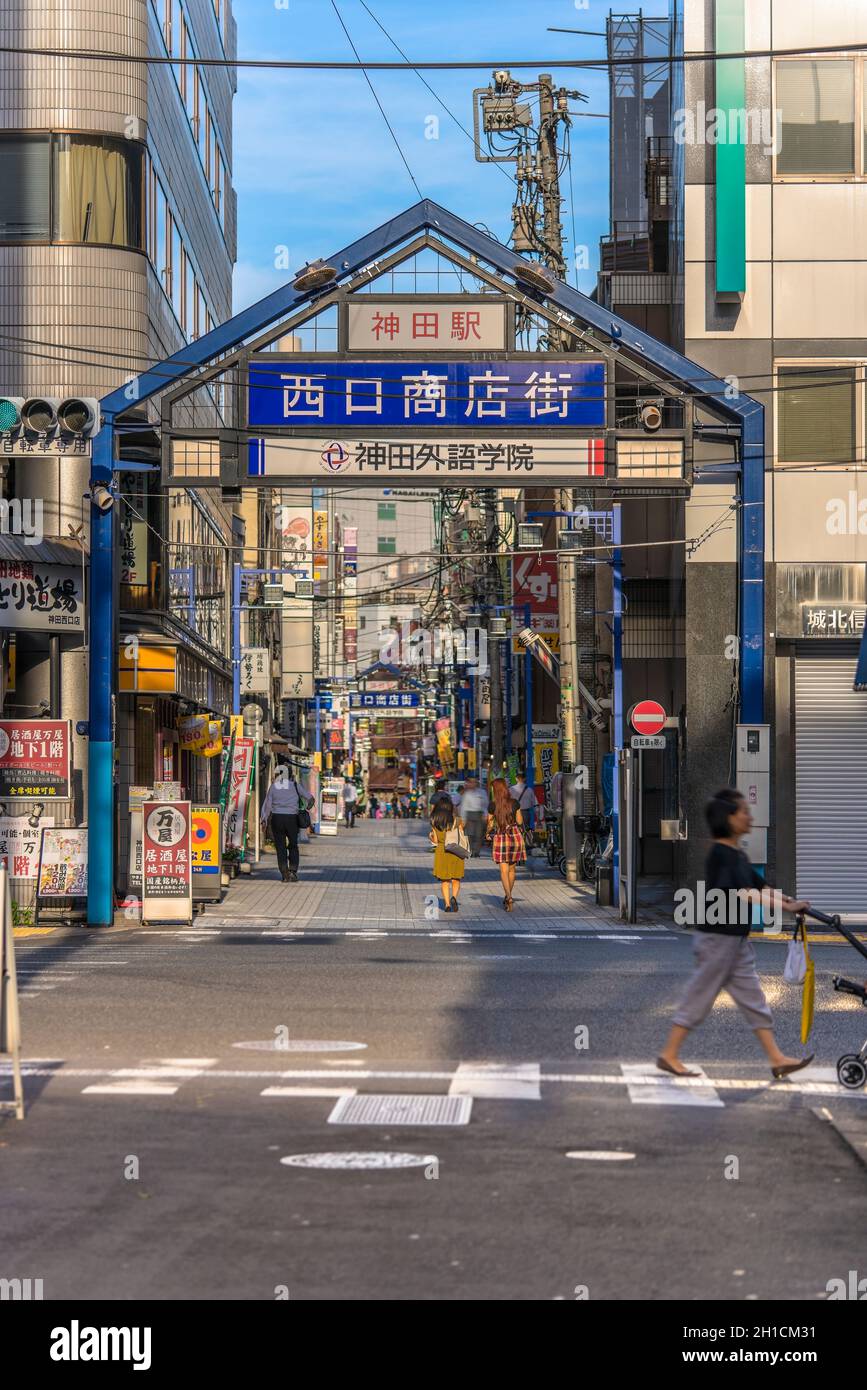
(171, 1073)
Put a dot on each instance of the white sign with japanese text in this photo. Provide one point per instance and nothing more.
(41, 598)
(255, 671)
(454, 325)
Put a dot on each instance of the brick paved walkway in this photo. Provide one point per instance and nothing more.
(379, 875)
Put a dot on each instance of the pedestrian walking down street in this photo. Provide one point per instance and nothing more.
(506, 831)
(472, 811)
(525, 799)
(286, 806)
(724, 956)
(350, 797)
(445, 824)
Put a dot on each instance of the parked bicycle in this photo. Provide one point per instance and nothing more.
(594, 831)
(554, 841)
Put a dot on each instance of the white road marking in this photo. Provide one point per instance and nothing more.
(355, 1161)
(497, 1081)
(183, 1062)
(130, 1088)
(601, 1155)
(320, 1092)
(301, 1045)
(667, 1090)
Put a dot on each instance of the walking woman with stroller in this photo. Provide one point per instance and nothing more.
(506, 830)
(724, 957)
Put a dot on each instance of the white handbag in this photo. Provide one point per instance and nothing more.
(456, 842)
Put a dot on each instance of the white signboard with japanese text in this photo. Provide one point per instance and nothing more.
(19, 842)
(255, 671)
(453, 325)
(166, 866)
(63, 863)
(41, 598)
(450, 462)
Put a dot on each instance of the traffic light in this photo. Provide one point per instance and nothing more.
(76, 417)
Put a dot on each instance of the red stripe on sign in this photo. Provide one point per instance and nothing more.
(598, 465)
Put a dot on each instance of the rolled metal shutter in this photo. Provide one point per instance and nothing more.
(831, 785)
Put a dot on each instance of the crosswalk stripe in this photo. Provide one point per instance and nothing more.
(497, 1080)
(666, 1090)
(130, 1088)
(319, 1092)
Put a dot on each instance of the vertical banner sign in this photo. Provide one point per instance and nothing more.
(536, 583)
(167, 886)
(137, 797)
(205, 857)
(35, 757)
(320, 578)
(133, 548)
(255, 671)
(239, 791)
(10, 1022)
(350, 591)
(296, 533)
(546, 762)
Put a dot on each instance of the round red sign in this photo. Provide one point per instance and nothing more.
(648, 717)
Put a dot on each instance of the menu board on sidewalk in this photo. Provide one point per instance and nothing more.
(63, 862)
(166, 872)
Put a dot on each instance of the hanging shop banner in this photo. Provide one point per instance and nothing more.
(295, 527)
(214, 746)
(41, 598)
(205, 849)
(358, 394)
(492, 459)
(19, 842)
(350, 591)
(255, 671)
(452, 325)
(167, 883)
(192, 732)
(63, 863)
(295, 516)
(239, 791)
(536, 585)
(546, 762)
(133, 549)
(35, 757)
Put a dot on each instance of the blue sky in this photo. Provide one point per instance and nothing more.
(315, 166)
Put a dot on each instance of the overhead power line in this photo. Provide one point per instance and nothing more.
(471, 65)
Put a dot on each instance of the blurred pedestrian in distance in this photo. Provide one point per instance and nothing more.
(472, 810)
(350, 797)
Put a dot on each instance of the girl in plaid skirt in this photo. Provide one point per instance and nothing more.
(506, 830)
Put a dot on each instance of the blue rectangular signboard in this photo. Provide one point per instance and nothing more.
(385, 699)
(453, 395)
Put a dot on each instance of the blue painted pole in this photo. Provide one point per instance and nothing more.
(752, 567)
(100, 748)
(236, 638)
(617, 566)
(528, 706)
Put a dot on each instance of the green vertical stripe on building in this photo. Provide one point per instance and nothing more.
(731, 161)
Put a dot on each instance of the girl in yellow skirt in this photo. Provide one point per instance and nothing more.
(448, 868)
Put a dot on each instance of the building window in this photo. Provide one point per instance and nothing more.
(386, 545)
(386, 511)
(25, 187)
(98, 188)
(817, 416)
(816, 107)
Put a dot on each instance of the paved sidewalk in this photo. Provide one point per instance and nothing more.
(379, 875)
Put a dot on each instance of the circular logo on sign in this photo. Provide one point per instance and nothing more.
(201, 828)
(335, 458)
(166, 826)
(4, 743)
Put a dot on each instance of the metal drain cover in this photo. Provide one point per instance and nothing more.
(401, 1110)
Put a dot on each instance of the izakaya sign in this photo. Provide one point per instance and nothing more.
(35, 757)
(41, 598)
(166, 880)
(453, 394)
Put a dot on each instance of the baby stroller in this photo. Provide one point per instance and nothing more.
(852, 1066)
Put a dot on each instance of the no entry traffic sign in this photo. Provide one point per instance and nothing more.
(647, 717)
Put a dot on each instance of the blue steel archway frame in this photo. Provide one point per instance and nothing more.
(746, 413)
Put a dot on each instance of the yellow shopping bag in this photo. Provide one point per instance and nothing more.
(808, 993)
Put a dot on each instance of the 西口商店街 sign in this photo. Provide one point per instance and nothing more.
(358, 395)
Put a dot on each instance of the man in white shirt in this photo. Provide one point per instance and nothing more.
(473, 807)
(525, 799)
(350, 797)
